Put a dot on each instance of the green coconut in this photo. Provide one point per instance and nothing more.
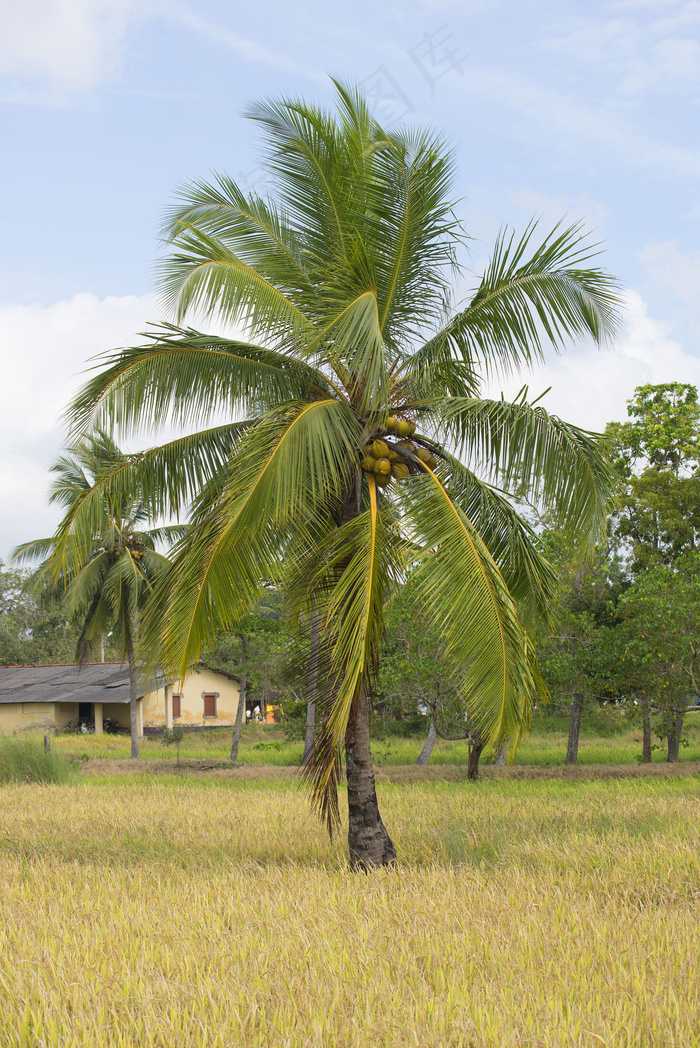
(382, 465)
(382, 479)
(391, 424)
(400, 471)
(380, 450)
(403, 428)
(423, 455)
(431, 462)
(368, 463)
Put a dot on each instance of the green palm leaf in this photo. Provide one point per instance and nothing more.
(523, 304)
(528, 450)
(182, 377)
(464, 596)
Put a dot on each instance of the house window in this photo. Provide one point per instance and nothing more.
(177, 706)
(209, 704)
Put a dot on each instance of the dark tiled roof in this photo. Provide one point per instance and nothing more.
(95, 682)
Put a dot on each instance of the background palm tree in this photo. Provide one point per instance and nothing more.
(106, 570)
(342, 285)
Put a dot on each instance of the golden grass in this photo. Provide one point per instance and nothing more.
(169, 914)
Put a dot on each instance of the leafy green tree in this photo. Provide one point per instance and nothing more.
(659, 643)
(575, 654)
(104, 563)
(413, 669)
(658, 456)
(34, 627)
(354, 375)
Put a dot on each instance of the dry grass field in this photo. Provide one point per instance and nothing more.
(181, 912)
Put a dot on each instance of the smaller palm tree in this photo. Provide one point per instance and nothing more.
(103, 567)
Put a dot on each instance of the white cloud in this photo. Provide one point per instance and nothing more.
(44, 351)
(641, 49)
(677, 274)
(50, 49)
(591, 386)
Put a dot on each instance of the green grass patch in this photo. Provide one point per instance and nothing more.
(24, 759)
(606, 738)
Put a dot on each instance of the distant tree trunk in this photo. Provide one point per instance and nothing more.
(369, 843)
(646, 736)
(312, 688)
(574, 728)
(674, 738)
(476, 745)
(424, 755)
(133, 698)
(240, 713)
(501, 752)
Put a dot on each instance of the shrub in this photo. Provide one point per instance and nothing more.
(26, 760)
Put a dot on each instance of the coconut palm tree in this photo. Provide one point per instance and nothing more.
(359, 439)
(106, 571)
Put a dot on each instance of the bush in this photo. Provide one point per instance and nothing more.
(26, 760)
(294, 718)
(414, 725)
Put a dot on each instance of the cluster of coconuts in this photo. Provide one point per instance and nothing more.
(136, 547)
(386, 462)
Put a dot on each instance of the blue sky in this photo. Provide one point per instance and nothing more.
(585, 109)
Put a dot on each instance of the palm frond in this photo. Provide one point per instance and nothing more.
(512, 543)
(183, 377)
(523, 304)
(260, 233)
(348, 579)
(291, 462)
(463, 595)
(525, 449)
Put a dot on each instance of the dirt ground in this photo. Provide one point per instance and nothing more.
(220, 769)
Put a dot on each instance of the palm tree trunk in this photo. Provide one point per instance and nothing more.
(312, 688)
(501, 753)
(424, 755)
(238, 726)
(133, 699)
(369, 843)
(574, 728)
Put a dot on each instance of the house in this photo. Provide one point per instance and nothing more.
(51, 697)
